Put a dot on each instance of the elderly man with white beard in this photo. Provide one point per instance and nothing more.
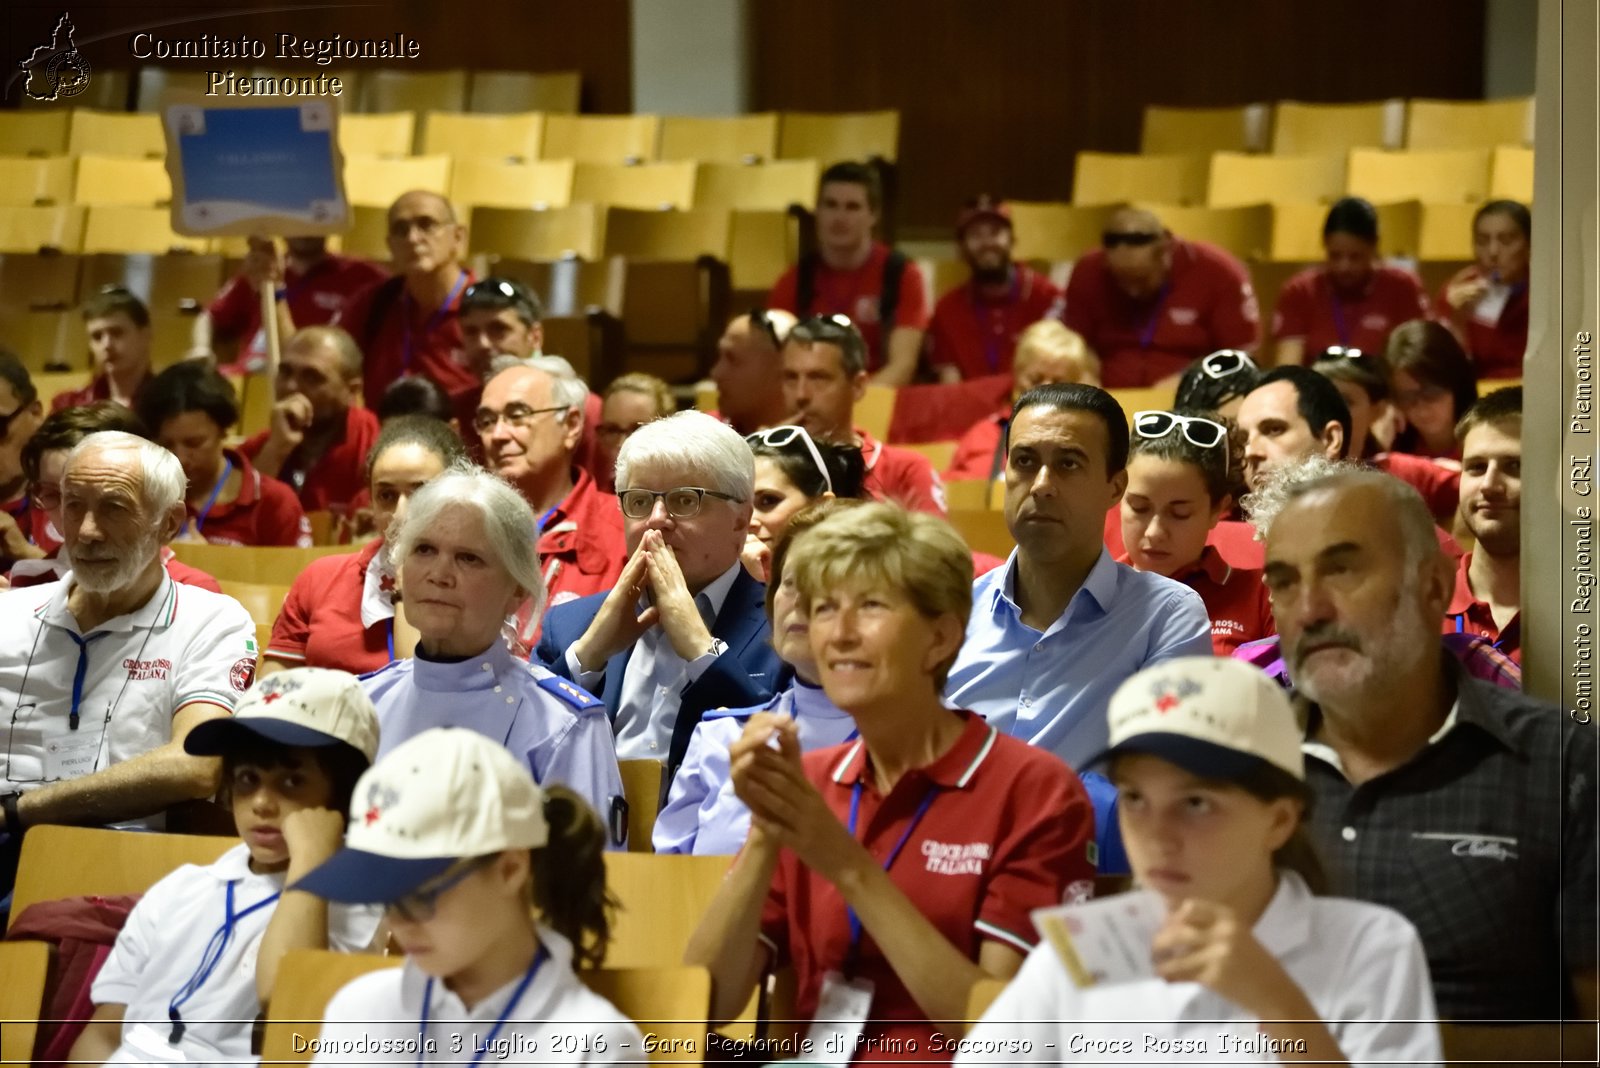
(1468, 807)
(104, 673)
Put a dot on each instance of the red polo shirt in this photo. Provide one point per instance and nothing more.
(266, 512)
(339, 476)
(977, 449)
(976, 334)
(321, 623)
(1498, 346)
(1236, 599)
(1236, 541)
(1438, 480)
(1007, 831)
(1468, 615)
(1206, 304)
(581, 549)
(856, 294)
(902, 476)
(400, 338)
(98, 389)
(1309, 309)
(315, 298)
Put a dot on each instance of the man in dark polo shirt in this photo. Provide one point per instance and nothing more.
(1469, 808)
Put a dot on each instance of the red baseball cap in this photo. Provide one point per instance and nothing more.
(982, 206)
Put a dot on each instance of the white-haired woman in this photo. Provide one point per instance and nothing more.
(465, 557)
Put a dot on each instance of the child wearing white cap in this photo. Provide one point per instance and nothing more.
(1247, 963)
(197, 958)
(451, 834)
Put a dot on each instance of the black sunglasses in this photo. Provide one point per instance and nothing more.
(499, 293)
(763, 322)
(1132, 238)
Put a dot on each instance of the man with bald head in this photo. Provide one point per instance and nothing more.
(1150, 304)
(406, 325)
(1468, 807)
(749, 370)
(319, 436)
(529, 423)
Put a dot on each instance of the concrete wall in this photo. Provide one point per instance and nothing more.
(691, 57)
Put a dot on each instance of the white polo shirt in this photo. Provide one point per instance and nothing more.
(558, 1020)
(161, 946)
(1360, 965)
(183, 645)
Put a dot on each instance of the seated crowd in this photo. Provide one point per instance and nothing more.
(1257, 652)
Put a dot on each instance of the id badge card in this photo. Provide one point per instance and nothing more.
(842, 1009)
(1105, 941)
(151, 1046)
(1491, 304)
(71, 755)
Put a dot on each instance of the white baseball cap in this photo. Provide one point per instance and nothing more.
(439, 797)
(1213, 716)
(307, 707)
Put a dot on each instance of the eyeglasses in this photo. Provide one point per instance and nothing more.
(423, 224)
(763, 322)
(422, 904)
(779, 437)
(514, 414)
(1225, 363)
(684, 502)
(1132, 238)
(1203, 433)
(5, 420)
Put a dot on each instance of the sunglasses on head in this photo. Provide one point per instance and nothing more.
(830, 322)
(1202, 433)
(1341, 352)
(1131, 238)
(779, 437)
(763, 322)
(1226, 362)
(497, 291)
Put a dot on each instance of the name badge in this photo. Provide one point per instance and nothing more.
(841, 1015)
(152, 1046)
(69, 756)
(1105, 941)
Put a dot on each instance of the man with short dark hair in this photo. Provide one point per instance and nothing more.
(1057, 629)
(319, 436)
(1467, 807)
(824, 374)
(1292, 413)
(118, 327)
(749, 370)
(1149, 303)
(1488, 592)
(975, 326)
(407, 325)
(853, 275)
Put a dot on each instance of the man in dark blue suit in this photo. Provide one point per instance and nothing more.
(685, 629)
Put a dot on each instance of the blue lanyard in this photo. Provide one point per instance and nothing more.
(1461, 618)
(888, 862)
(200, 518)
(390, 636)
(546, 517)
(79, 673)
(505, 1013)
(986, 321)
(1148, 334)
(433, 320)
(1338, 320)
(209, 959)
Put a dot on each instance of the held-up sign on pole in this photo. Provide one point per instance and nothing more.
(260, 165)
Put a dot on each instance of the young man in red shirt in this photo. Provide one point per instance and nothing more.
(824, 374)
(1353, 300)
(1488, 595)
(1149, 304)
(406, 325)
(852, 275)
(118, 326)
(319, 437)
(975, 326)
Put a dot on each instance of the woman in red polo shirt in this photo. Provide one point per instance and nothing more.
(1486, 304)
(1183, 475)
(1433, 383)
(897, 870)
(339, 613)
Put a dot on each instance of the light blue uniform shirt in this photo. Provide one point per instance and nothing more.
(702, 814)
(1052, 689)
(558, 728)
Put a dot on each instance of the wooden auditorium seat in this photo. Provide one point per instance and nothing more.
(39, 180)
(646, 186)
(772, 186)
(102, 180)
(24, 967)
(832, 137)
(641, 784)
(602, 138)
(262, 564)
(503, 183)
(516, 136)
(1315, 129)
(35, 133)
(262, 600)
(737, 139)
(113, 133)
(550, 234)
(376, 181)
(1237, 179)
(1203, 130)
(1446, 124)
(1436, 177)
(120, 228)
(1109, 178)
(26, 228)
(390, 134)
(1052, 232)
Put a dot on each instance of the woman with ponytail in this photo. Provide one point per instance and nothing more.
(453, 837)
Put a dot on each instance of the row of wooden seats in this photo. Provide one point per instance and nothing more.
(1290, 127)
(528, 135)
(469, 181)
(1229, 179)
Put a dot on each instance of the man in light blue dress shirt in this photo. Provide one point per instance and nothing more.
(1061, 626)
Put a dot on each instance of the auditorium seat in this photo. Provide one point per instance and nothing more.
(262, 600)
(29, 228)
(875, 410)
(1244, 231)
(574, 230)
(107, 90)
(52, 383)
(1297, 233)
(261, 564)
(738, 139)
(154, 81)
(41, 281)
(133, 229)
(368, 235)
(760, 187)
(111, 133)
(503, 91)
(1237, 179)
(590, 340)
(35, 133)
(41, 180)
(1109, 178)
(967, 494)
(503, 183)
(1315, 129)
(113, 180)
(45, 340)
(602, 138)
(24, 966)
(661, 900)
(1444, 231)
(1050, 232)
(1440, 177)
(390, 134)
(942, 276)
(378, 182)
(409, 90)
(647, 186)
(984, 530)
(939, 453)
(830, 138)
(1446, 124)
(666, 235)
(515, 136)
(1203, 130)
(641, 785)
(1511, 173)
(307, 980)
(761, 246)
